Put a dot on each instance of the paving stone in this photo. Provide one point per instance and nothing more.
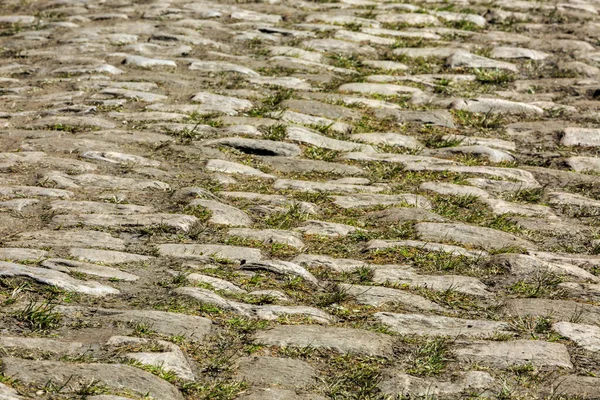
(370, 200)
(78, 375)
(397, 383)
(258, 147)
(470, 235)
(214, 283)
(517, 52)
(493, 155)
(67, 266)
(584, 137)
(559, 310)
(178, 221)
(429, 247)
(322, 228)
(415, 324)
(171, 360)
(229, 167)
(204, 252)
(308, 136)
(221, 66)
(266, 312)
(211, 102)
(408, 19)
(92, 207)
(515, 353)
(585, 387)
(495, 106)
(272, 371)
(62, 238)
(34, 191)
(107, 256)
(223, 214)
(277, 394)
(378, 88)
(17, 254)
(389, 138)
(464, 59)
(462, 284)
(394, 215)
(585, 336)
(343, 340)
(100, 181)
(338, 46)
(584, 164)
(8, 393)
(522, 264)
(321, 187)
(267, 236)
(454, 190)
(377, 296)
(291, 165)
(55, 278)
(281, 268)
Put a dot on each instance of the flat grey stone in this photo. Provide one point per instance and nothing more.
(470, 235)
(229, 167)
(370, 200)
(389, 138)
(221, 66)
(165, 323)
(181, 222)
(462, 284)
(8, 393)
(223, 214)
(585, 336)
(386, 89)
(434, 325)
(500, 207)
(584, 387)
(465, 59)
(211, 102)
(494, 143)
(514, 353)
(281, 268)
(430, 117)
(285, 164)
(584, 137)
(101, 181)
(292, 239)
(277, 394)
(18, 254)
(258, 147)
(585, 205)
(106, 256)
(215, 283)
(377, 296)
(322, 228)
(287, 82)
(584, 164)
(266, 312)
(429, 247)
(559, 310)
(523, 264)
(51, 345)
(453, 189)
(172, 360)
(394, 214)
(495, 106)
(407, 18)
(338, 46)
(34, 191)
(204, 252)
(517, 52)
(78, 375)
(396, 383)
(61, 238)
(342, 340)
(273, 371)
(493, 155)
(145, 62)
(55, 278)
(305, 119)
(320, 187)
(93, 207)
(114, 157)
(307, 136)
(67, 266)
